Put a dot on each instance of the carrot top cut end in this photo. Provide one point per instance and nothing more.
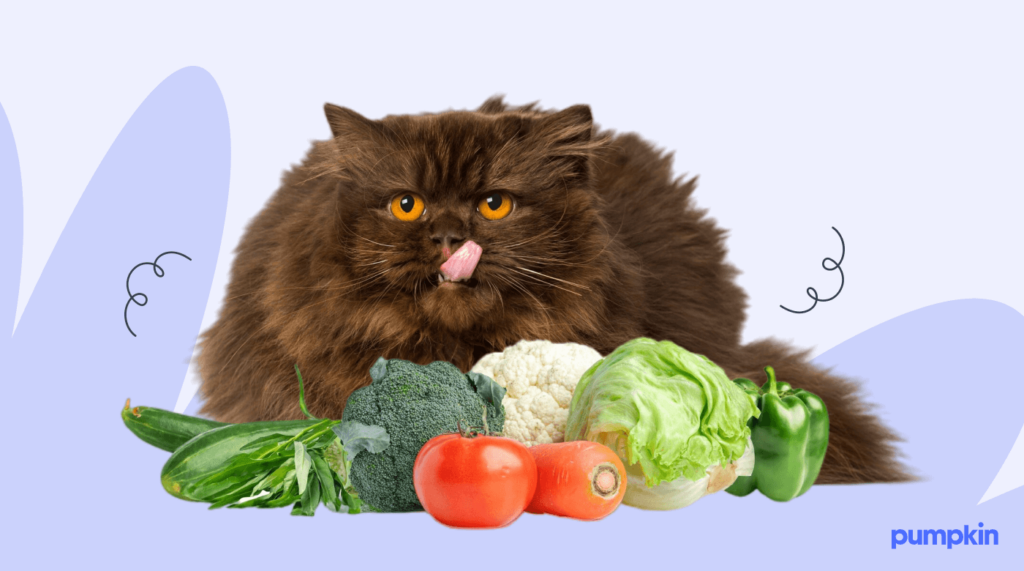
(605, 480)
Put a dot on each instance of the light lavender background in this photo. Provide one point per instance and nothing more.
(899, 125)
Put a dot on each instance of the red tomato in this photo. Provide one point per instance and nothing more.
(479, 481)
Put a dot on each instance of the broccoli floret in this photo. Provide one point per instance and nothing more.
(414, 403)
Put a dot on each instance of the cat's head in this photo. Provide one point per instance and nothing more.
(411, 190)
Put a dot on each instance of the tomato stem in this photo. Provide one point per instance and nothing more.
(469, 431)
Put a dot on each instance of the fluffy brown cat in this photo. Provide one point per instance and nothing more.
(601, 245)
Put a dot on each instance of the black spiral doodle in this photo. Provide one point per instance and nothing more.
(813, 293)
(132, 296)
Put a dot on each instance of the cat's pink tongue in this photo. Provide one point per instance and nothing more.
(462, 263)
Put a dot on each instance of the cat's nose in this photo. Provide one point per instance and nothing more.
(449, 241)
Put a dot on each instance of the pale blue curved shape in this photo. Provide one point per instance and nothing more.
(73, 475)
(948, 379)
(11, 234)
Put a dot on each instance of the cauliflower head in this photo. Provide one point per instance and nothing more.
(540, 377)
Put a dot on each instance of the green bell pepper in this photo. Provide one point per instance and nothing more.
(790, 438)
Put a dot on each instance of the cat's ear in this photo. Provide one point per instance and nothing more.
(569, 127)
(566, 136)
(346, 123)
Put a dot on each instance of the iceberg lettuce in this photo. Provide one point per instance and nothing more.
(673, 412)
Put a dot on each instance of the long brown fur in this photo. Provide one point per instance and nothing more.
(603, 245)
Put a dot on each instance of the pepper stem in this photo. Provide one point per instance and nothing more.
(772, 389)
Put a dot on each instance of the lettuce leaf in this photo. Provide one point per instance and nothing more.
(654, 403)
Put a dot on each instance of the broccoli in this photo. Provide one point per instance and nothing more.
(414, 403)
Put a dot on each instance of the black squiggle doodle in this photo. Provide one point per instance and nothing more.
(145, 299)
(813, 293)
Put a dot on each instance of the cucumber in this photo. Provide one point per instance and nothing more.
(222, 465)
(162, 428)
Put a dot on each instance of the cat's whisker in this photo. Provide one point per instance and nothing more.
(556, 262)
(554, 278)
(370, 264)
(534, 238)
(545, 262)
(544, 309)
(525, 291)
(372, 242)
(540, 236)
(538, 280)
(501, 300)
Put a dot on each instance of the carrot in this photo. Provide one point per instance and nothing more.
(582, 480)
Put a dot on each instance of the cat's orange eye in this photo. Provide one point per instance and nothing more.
(495, 206)
(407, 207)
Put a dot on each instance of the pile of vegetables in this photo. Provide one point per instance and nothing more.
(575, 435)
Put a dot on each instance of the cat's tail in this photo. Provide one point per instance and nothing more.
(860, 448)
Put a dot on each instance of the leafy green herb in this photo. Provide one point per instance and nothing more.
(269, 464)
(323, 473)
(302, 465)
